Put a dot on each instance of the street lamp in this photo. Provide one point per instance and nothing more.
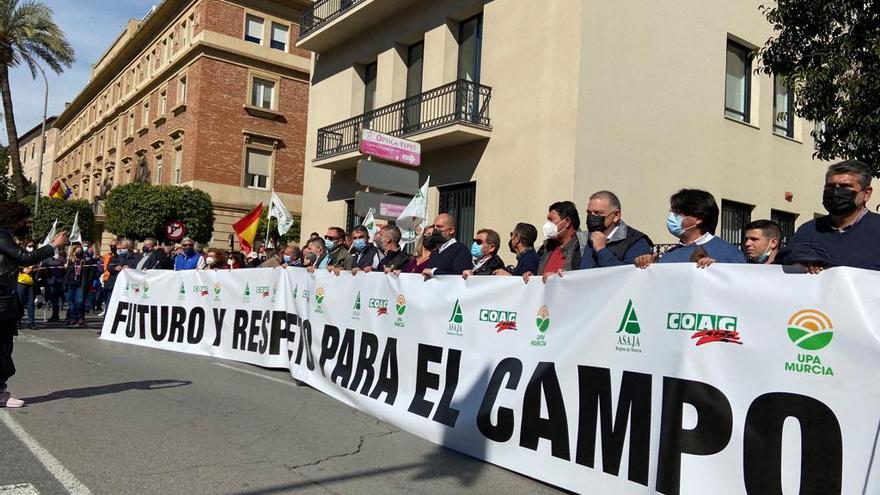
(42, 142)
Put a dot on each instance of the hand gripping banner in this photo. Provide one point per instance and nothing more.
(733, 379)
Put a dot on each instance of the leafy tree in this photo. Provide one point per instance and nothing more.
(65, 211)
(829, 52)
(139, 210)
(291, 236)
(28, 35)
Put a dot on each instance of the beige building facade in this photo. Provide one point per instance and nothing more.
(211, 94)
(29, 154)
(519, 104)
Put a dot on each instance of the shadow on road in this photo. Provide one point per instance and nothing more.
(79, 393)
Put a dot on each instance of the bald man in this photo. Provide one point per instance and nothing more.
(452, 257)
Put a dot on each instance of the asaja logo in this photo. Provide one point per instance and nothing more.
(542, 322)
(319, 299)
(629, 330)
(380, 305)
(356, 311)
(401, 309)
(246, 295)
(295, 291)
(456, 321)
(503, 320)
(181, 295)
(707, 327)
(810, 330)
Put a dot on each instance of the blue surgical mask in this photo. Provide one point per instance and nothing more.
(286, 258)
(673, 223)
(760, 260)
(476, 250)
(359, 244)
(329, 244)
(122, 251)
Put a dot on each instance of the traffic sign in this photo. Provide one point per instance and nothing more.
(390, 148)
(384, 207)
(175, 230)
(387, 177)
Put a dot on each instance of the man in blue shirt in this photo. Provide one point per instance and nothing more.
(693, 216)
(850, 234)
(522, 244)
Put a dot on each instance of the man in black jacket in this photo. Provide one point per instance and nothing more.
(612, 241)
(452, 257)
(14, 219)
(388, 239)
(151, 258)
(363, 252)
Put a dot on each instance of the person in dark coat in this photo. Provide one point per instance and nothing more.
(79, 275)
(612, 242)
(14, 218)
(364, 253)
(53, 276)
(451, 257)
(484, 250)
(388, 239)
(522, 244)
(151, 258)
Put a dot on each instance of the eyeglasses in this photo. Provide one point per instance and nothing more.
(331, 238)
(186, 245)
(478, 242)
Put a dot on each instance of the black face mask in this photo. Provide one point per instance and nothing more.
(839, 200)
(511, 246)
(430, 242)
(595, 223)
(113, 249)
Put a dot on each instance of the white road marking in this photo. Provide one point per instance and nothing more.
(19, 489)
(279, 380)
(65, 477)
(31, 339)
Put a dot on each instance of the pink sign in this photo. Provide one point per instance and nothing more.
(390, 148)
(391, 210)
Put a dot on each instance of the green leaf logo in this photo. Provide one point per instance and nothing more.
(542, 321)
(401, 305)
(319, 295)
(810, 329)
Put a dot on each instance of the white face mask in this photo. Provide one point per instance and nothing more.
(29, 249)
(210, 260)
(551, 231)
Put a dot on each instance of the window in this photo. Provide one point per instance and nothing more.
(145, 114)
(783, 108)
(163, 102)
(166, 50)
(734, 217)
(178, 163)
(351, 220)
(253, 29)
(369, 86)
(460, 201)
(470, 41)
(412, 112)
(279, 37)
(258, 164)
(158, 179)
(130, 125)
(185, 33)
(262, 93)
(786, 224)
(114, 134)
(737, 84)
(181, 89)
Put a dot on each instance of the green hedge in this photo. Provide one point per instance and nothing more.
(64, 211)
(137, 211)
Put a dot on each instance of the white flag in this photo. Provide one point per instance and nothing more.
(51, 234)
(370, 224)
(75, 234)
(281, 213)
(414, 218)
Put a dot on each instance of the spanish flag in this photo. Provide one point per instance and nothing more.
(57, 190)
(246, 228)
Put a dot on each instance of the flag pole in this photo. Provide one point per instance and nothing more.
(271, 193)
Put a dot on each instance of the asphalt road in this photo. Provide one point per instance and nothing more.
(113, 418)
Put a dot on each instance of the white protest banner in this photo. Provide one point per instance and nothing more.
(733, 379)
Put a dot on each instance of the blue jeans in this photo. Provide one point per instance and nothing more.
(75, 303)
(26, 296)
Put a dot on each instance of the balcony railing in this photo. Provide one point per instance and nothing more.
(322, 12)
(459, 102)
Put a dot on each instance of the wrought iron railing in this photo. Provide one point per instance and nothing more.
(322, 12)
(458, 102)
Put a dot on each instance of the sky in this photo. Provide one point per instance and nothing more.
(90, 26)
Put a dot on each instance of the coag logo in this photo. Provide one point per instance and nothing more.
(380, 305)
(699, 321)
(263, 290)
(810, 329)
(201, 290)
(504, 320)
(628, 331)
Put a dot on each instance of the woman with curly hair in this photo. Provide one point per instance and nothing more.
(14, 219)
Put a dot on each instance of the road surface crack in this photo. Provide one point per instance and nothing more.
(356, 451)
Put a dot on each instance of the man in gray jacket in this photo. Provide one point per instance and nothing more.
(14, 218)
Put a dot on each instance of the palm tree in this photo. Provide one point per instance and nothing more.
(27, 35)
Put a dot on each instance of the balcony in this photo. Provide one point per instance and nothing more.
(330, 22)
(452, 114)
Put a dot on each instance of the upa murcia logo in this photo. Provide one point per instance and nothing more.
(356, 311)
(503, 319)
(456, 327)
(810, 330)
(542, 323)
(201, 290)
(145, 289)
(319, 299)
(400, 308)
(707, 327)
(218, 287)
(628, 331)
(380, 305)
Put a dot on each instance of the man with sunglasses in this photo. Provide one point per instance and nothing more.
(452, 257)
(522, 244)
(334, 241)
(484, 250)
(189, 258)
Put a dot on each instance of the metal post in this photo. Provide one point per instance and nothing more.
(42, 143)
